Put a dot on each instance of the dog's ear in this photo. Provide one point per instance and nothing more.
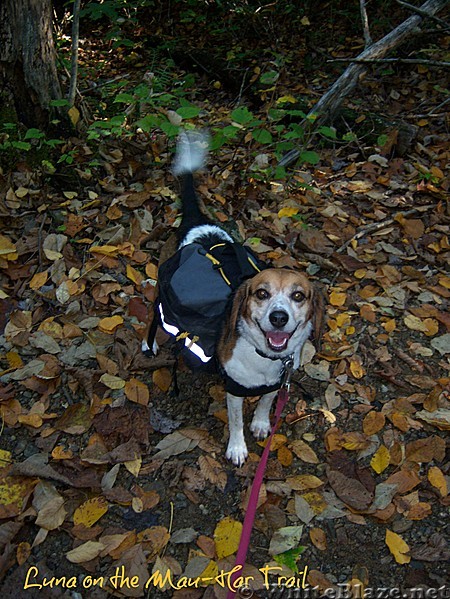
(318, 315)
(238, 306)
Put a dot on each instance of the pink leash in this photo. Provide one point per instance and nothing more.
(282, 399)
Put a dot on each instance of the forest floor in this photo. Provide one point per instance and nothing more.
(103, 471)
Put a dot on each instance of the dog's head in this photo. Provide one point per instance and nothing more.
(277, 310)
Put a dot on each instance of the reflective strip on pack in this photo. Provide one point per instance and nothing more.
(189, 343)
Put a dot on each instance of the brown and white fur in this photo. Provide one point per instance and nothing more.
(271, 317)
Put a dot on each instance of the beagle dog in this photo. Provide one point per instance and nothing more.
(271, 315)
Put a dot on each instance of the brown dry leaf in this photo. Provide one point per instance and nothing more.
(277, 442)
(153, 540)
(285, 456)
(89, 512)
(49, 505)
(373, 422)
(162, 378)
(85, 552)
(426, 450)
(303, 451)
(61, 453)
(213, 471)
(419, 511)
(440, 418)
(405, 480)
(367, 311)
(397, 547)
(38, 280)
(137, 392)
(318, 538)
(23, 552)
(112, 382)
(354, 441)
(350, 490)
(75, 420)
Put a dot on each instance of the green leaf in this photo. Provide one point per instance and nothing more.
(329, 132)
(21, 145)
(188, 112)
(124, 98)
(217, 141)
(262, 136)
(149, 122)
(289, 558)
(242, 115)
(382, 140)
(269, 78)
(34, 134)
(61, 102)
(169, 129)
(230, 131)
(310, 157)
(280, 172)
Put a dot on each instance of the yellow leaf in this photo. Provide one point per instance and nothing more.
(389, 325)
(356, 368)
(134, 466)
(318, 538)
(14, 360)
(277, 442)
(210, 573)
(151, 270)
(438, 480)
(60, 453)
(305, 21)
(287, 98)
(226, 537)
(33, 420)
(5, 458)
(74, 115)
(6, 246)
(110, 324)
(302, 482)
(162, 378)
(337, 298)
(39, 279)
(89, 512)
(112, 382)
(397, 547)
(287, 211)
(134, 275)
(380, 460)
(106, 250)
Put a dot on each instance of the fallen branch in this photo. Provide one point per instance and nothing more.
(423, 13)
(334, 97)
(373, 227)
(74, 59)
(435, 63)
(365, 21)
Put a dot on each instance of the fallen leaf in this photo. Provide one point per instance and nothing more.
(380, 460)
(318, 538)
(227, 535)
(438, 480)
(89, 512)
(397, 547)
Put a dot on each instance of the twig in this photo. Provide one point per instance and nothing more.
(365, 23)
(382, 224)
(96, 86)
(439, 106)
(74, 60)
(423, 13)
(434, 63)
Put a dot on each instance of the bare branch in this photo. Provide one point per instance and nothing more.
(334, 97)
(74, 60)
(423, 13)
(365, 23)
(434, 63)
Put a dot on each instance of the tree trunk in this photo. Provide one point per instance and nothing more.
(28, 76)
(330, 102)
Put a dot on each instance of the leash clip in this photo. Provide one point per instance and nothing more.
(288, 364)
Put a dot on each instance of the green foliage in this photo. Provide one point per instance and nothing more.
(289, 558)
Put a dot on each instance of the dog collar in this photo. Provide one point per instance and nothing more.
(273, 358)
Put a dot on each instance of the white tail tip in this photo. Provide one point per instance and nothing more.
(192, 148)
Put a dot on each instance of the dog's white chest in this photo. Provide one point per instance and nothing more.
(249, 369)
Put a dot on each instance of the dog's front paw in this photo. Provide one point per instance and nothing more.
(260, 428)
(237, 452)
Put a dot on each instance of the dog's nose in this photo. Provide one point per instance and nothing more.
(278, 318)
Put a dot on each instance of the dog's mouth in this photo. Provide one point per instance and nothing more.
(277, 340)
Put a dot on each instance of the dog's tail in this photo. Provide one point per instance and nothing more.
(190, 157)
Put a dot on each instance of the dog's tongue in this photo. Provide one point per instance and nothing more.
(277, 339)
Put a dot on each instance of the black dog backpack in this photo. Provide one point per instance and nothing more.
(195, 288)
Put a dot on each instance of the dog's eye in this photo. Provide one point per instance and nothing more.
(262, 294)
(298, 296)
